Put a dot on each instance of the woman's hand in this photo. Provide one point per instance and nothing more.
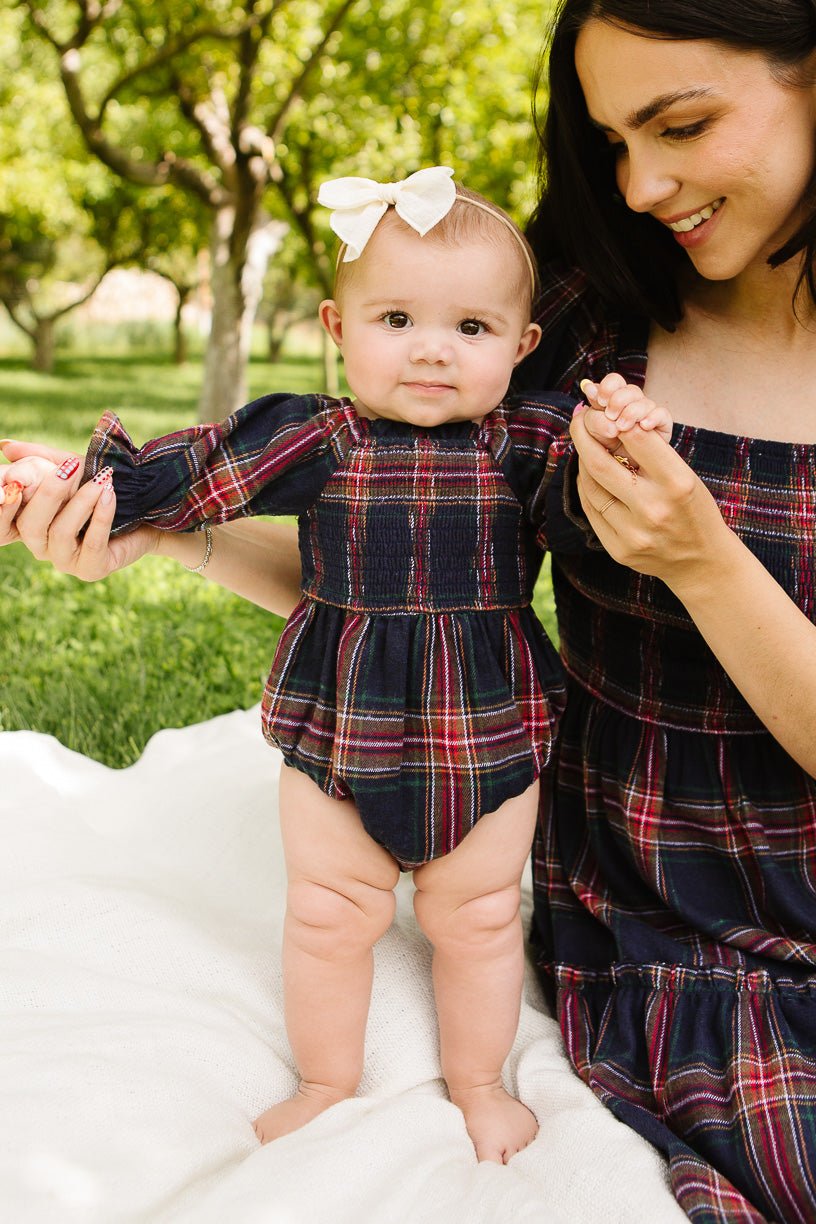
(50, 523)
(666, 523)
(661, 521)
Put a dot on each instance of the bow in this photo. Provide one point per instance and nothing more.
(421, 200)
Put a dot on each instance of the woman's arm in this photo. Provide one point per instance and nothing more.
(666, 523)
(70, 527)
(256, 559)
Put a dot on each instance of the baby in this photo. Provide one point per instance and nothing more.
(413, 694)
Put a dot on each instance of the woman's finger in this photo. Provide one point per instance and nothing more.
(598, 466)
(95, 559)
(36, 518)
(13, 450)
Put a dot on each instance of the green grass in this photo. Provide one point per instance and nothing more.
(103, 666)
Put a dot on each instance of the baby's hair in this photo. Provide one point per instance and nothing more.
(472, 216)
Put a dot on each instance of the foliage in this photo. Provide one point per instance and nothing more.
(244, 108)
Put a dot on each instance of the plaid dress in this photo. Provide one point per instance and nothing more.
(675, 870)
(413, 674)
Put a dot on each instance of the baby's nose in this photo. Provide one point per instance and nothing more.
(431, 346)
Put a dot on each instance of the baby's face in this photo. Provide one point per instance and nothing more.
(429, 333)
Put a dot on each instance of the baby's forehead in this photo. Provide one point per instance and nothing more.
(398, 262)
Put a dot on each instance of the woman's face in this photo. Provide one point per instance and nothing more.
(705, 140)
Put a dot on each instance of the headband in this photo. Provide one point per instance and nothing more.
(421, 201)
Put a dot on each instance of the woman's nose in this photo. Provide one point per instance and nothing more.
(645, 182)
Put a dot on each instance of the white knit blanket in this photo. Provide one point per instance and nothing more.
(141, 1025)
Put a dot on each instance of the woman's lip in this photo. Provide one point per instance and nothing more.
(689, 239)
(683, 216)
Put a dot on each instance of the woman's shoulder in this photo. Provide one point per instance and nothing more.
(581, 336)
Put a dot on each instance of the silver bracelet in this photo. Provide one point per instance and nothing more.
(208, 547)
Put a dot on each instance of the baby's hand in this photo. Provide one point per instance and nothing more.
(617, 406)
(19, 481)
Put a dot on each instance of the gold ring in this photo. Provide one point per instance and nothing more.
(627, 463)
(606, 506)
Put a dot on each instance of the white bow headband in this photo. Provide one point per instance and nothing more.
(421, 200)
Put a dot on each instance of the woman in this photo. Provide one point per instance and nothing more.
(675, 868)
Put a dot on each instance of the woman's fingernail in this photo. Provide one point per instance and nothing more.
(103, 475)
(3, 442)
(12, 491)
(578, 408)
(107, 494)
(67, 469)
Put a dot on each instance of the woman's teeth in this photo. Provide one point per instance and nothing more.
(690, 223)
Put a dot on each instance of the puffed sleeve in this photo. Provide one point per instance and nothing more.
(540, 464)
(271, 457)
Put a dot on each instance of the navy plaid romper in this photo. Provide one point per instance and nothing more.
(413, 675)
(675, 868)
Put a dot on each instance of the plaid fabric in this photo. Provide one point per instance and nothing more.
(675, 868)
(413, 676)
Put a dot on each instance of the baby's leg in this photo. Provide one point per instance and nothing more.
(340, 900)
(467, 903)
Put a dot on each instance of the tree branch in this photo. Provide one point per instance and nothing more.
(11, 307)
(183, 43)
(275, 127)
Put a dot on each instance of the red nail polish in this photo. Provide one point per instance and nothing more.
(67, 469)
(103, 476)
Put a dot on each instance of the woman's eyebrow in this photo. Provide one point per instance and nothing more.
(644, 114)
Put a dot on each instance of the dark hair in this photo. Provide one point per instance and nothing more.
(630, 259)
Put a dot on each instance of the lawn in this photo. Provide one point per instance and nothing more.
(103, 666)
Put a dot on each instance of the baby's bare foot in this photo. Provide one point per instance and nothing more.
(498, 1124)
(309, 1101)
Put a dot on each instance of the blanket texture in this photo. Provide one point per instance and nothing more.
(141, 1024)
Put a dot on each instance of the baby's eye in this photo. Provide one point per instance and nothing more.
(471, 327)
(397, 319)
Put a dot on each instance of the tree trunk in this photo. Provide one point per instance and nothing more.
(44, 345)
(237, 284)
(179, 335)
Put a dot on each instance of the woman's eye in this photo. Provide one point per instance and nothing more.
(684, 133)
(471, 327)
(397, 319)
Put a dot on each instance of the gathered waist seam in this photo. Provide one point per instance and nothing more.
(676, 978)
(723, 724)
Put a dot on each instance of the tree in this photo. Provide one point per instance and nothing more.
(195, 94)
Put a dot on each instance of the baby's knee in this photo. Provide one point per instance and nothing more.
(473, 925)
(329, 920)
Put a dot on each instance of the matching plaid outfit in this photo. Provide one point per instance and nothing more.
(675, 871)
(413, 674)
(675, 863)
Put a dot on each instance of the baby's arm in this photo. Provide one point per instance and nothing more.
(616, 407)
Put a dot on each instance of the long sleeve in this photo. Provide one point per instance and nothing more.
(540, 464)
(271, 457)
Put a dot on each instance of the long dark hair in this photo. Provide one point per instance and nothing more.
(630, 259)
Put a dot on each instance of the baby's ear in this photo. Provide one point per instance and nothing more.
(529, 340)
(329, 314)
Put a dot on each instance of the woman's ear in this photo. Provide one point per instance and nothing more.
(329, 314)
